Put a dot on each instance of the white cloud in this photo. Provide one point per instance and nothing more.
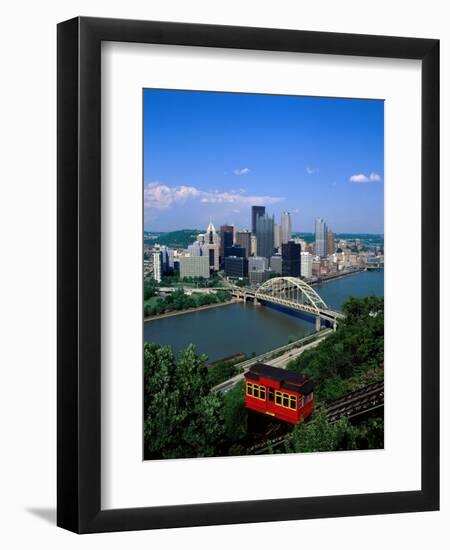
(362, 178)
(241, 171)
(160, 196)
(309, 170)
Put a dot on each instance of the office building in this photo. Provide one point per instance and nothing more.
(209, 244)
(290, 253)
(170, 258)
(286, 227)
(236, 267)
(197, 248)
(194, 266)
(330, 242)
(276, 263)
(277, 236)
(157, 265)
(258, 277)
(264, 235)
(234, 250)
(321, 238)
(257, 263)
(306, 261)
(253, 245)
(256, 212)
(244, 239)
(302, 243)
(226, 239)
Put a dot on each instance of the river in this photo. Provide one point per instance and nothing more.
(224, 331)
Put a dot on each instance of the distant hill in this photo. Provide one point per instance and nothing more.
(176, 239)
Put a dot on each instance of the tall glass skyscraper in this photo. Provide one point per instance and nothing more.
(226, 239)
(265, 235)
(256, 212)
(321, 238)
(291, 259)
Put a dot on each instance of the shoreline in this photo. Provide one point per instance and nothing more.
(185, 311)
(336, 277)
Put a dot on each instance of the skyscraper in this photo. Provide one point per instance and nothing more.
(290, 253)
(253, 245)
(197, 248)
(321, 238)
(330, 242)
(264, 235)
(226, 239)
(235, 250)
(157, 265)
(211, 246)
(256, 212)
(277, 235)
(306, 265)
(286, 227)
(244, 239)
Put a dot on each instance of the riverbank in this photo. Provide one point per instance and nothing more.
(337, 276)
(190, 310)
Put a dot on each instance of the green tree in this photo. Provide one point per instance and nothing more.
(235, 414)
(220, 372)
(319, 435)
(150, 289)
(181, 417)
(354, 353)
(223, 296)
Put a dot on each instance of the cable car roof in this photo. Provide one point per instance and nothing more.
(290, 380)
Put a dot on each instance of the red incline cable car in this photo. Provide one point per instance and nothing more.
(286, 395)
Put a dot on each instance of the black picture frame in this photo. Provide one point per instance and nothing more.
(79, 281)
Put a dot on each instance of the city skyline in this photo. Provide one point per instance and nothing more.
(214, 155)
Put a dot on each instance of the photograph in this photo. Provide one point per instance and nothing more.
(263, 285)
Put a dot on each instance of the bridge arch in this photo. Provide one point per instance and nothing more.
(289, 291)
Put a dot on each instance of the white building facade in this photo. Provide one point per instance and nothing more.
(194, 266)
(306, 261)
(286, 227)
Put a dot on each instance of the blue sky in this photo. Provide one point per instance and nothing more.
(209, 154)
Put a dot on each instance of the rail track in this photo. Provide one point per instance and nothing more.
(353, 404)
(356, 403)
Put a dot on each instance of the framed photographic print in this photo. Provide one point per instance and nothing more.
(248, 236)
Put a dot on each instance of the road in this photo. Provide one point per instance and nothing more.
(280, 362)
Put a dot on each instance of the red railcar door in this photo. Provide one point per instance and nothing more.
(270, 402)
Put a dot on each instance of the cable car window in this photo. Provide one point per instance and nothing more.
(285, 400)
(278, 398)
(300, 402)
(249, 388)
(271, 394)
(255, 391)
(262, 393)
(292, 403)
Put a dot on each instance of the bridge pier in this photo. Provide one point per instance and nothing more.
(317, 323)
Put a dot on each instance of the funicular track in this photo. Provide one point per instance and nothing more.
(352, 405)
